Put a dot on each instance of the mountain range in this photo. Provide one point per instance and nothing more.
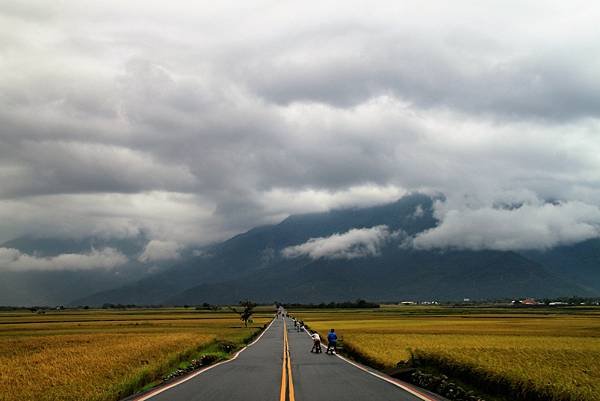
(318, 257)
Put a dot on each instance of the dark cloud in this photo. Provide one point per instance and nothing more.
(432, 72)
(192, 123)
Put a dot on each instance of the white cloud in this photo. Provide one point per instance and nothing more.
(530, 226)
(418, 213)
(281, 202)
(196, 122)
(160, 250)
(107, 258)
(355, 243)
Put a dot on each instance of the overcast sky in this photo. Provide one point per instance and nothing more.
(193, 121)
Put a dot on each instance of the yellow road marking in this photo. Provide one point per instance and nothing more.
(284, 365)
(286, 369)
(289, 366)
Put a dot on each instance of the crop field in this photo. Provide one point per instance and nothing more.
(526, 353)
(102, 355)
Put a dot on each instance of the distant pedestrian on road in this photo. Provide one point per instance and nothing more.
(331, 342)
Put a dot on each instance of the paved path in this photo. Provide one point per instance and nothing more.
(262, 373)
(255, 375)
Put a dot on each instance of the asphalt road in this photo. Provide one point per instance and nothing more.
(262, 373)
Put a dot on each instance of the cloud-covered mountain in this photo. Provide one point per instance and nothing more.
(345, 254)
(189, 124)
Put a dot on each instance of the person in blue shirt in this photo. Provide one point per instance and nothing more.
(331, 342)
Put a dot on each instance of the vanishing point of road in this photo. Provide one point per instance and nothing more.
(279, 367)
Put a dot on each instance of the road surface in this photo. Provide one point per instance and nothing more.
(279, 367)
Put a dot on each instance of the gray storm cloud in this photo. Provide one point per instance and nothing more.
(194, 122)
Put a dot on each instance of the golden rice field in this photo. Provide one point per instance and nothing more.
(101, 355)
(545, 353)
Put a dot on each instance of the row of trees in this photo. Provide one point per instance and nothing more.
(358, 304)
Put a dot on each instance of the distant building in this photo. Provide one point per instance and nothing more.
(529, 301)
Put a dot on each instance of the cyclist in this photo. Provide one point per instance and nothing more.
(331, 342)
(316, 342)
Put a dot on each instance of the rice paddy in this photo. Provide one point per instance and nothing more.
(527, 354)
(103, 355)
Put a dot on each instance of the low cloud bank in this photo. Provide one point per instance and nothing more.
(355, 243)
(160, 250)
(13, 260)
(530, 226)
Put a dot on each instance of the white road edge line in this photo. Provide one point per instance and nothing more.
(389, 380)
(191, 376)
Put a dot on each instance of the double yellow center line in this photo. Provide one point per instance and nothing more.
(286, 369)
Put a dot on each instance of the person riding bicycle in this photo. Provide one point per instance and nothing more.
(316, 342)
(331, 342)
